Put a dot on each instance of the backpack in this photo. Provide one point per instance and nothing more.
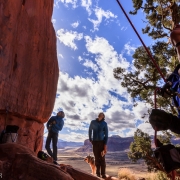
(168, 156)
(9, 134)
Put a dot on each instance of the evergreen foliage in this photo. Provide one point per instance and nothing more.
(142, 78)
(141, 149)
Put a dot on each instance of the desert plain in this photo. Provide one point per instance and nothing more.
(114, 162)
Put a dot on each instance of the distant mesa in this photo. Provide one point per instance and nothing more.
(116, 136)
(64, 144)
(115, 143)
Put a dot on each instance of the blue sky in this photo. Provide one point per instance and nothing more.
(93, 38)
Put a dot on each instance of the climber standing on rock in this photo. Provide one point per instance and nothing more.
(98, 136)
(54, 125)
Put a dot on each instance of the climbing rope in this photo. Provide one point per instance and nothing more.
(147, 50)
(155, 64)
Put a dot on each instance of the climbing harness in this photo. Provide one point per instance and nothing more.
(157, 67)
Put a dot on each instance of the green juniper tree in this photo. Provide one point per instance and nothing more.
(142, 80)
(161, 16)
(141, 149)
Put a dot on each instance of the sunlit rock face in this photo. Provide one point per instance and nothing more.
(28, 67)
(175, 39)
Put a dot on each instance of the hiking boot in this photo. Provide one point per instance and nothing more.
(55, 162)
(104, 176)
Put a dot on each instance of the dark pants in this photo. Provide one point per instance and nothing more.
(98, 147)
(54, 137)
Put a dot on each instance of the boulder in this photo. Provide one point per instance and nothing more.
(19, 162)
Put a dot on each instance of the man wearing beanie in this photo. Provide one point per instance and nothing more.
(54, 125)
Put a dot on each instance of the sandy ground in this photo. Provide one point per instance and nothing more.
(114, 161)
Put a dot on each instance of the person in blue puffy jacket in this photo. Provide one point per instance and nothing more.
(98, 136)
(174, 82)
(54, 125)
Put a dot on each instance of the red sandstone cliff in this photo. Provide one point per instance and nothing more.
(28, 67)
(18, 162)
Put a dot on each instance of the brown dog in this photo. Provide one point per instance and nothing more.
(90, 160)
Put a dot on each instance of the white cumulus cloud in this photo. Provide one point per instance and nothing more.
(68, 37)
(75, 24)
(87, 4)
(66, 3)
(130, 49)
(100, 14)
(83, 98)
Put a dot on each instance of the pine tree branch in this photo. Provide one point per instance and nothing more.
(163, 17)
(173, 109)
(161, 35)
(154, 161)
(149, 8)
(151, 159)
(142, 83)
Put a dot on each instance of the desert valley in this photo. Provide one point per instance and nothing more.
(73, 154)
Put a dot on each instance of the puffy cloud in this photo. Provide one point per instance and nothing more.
(147, 128)
(73, 136)
(66, 3)
(75, 24)
(87, 4)
(100, 14)
(80, 58)
(91, 65)
(74, 3)
(61, 56)
(130, 49)
(83, 98)
(68, 37)
(53, 21)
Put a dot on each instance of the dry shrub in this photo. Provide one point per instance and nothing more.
(125, 174)
(156, 176)
(150, 176)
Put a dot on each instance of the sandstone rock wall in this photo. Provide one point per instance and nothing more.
(28, 64)
(19, 162)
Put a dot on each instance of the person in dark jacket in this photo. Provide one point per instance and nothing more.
(98, 136)
(172, 88)
(161, 120)
(174, 82)
(54, 125)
